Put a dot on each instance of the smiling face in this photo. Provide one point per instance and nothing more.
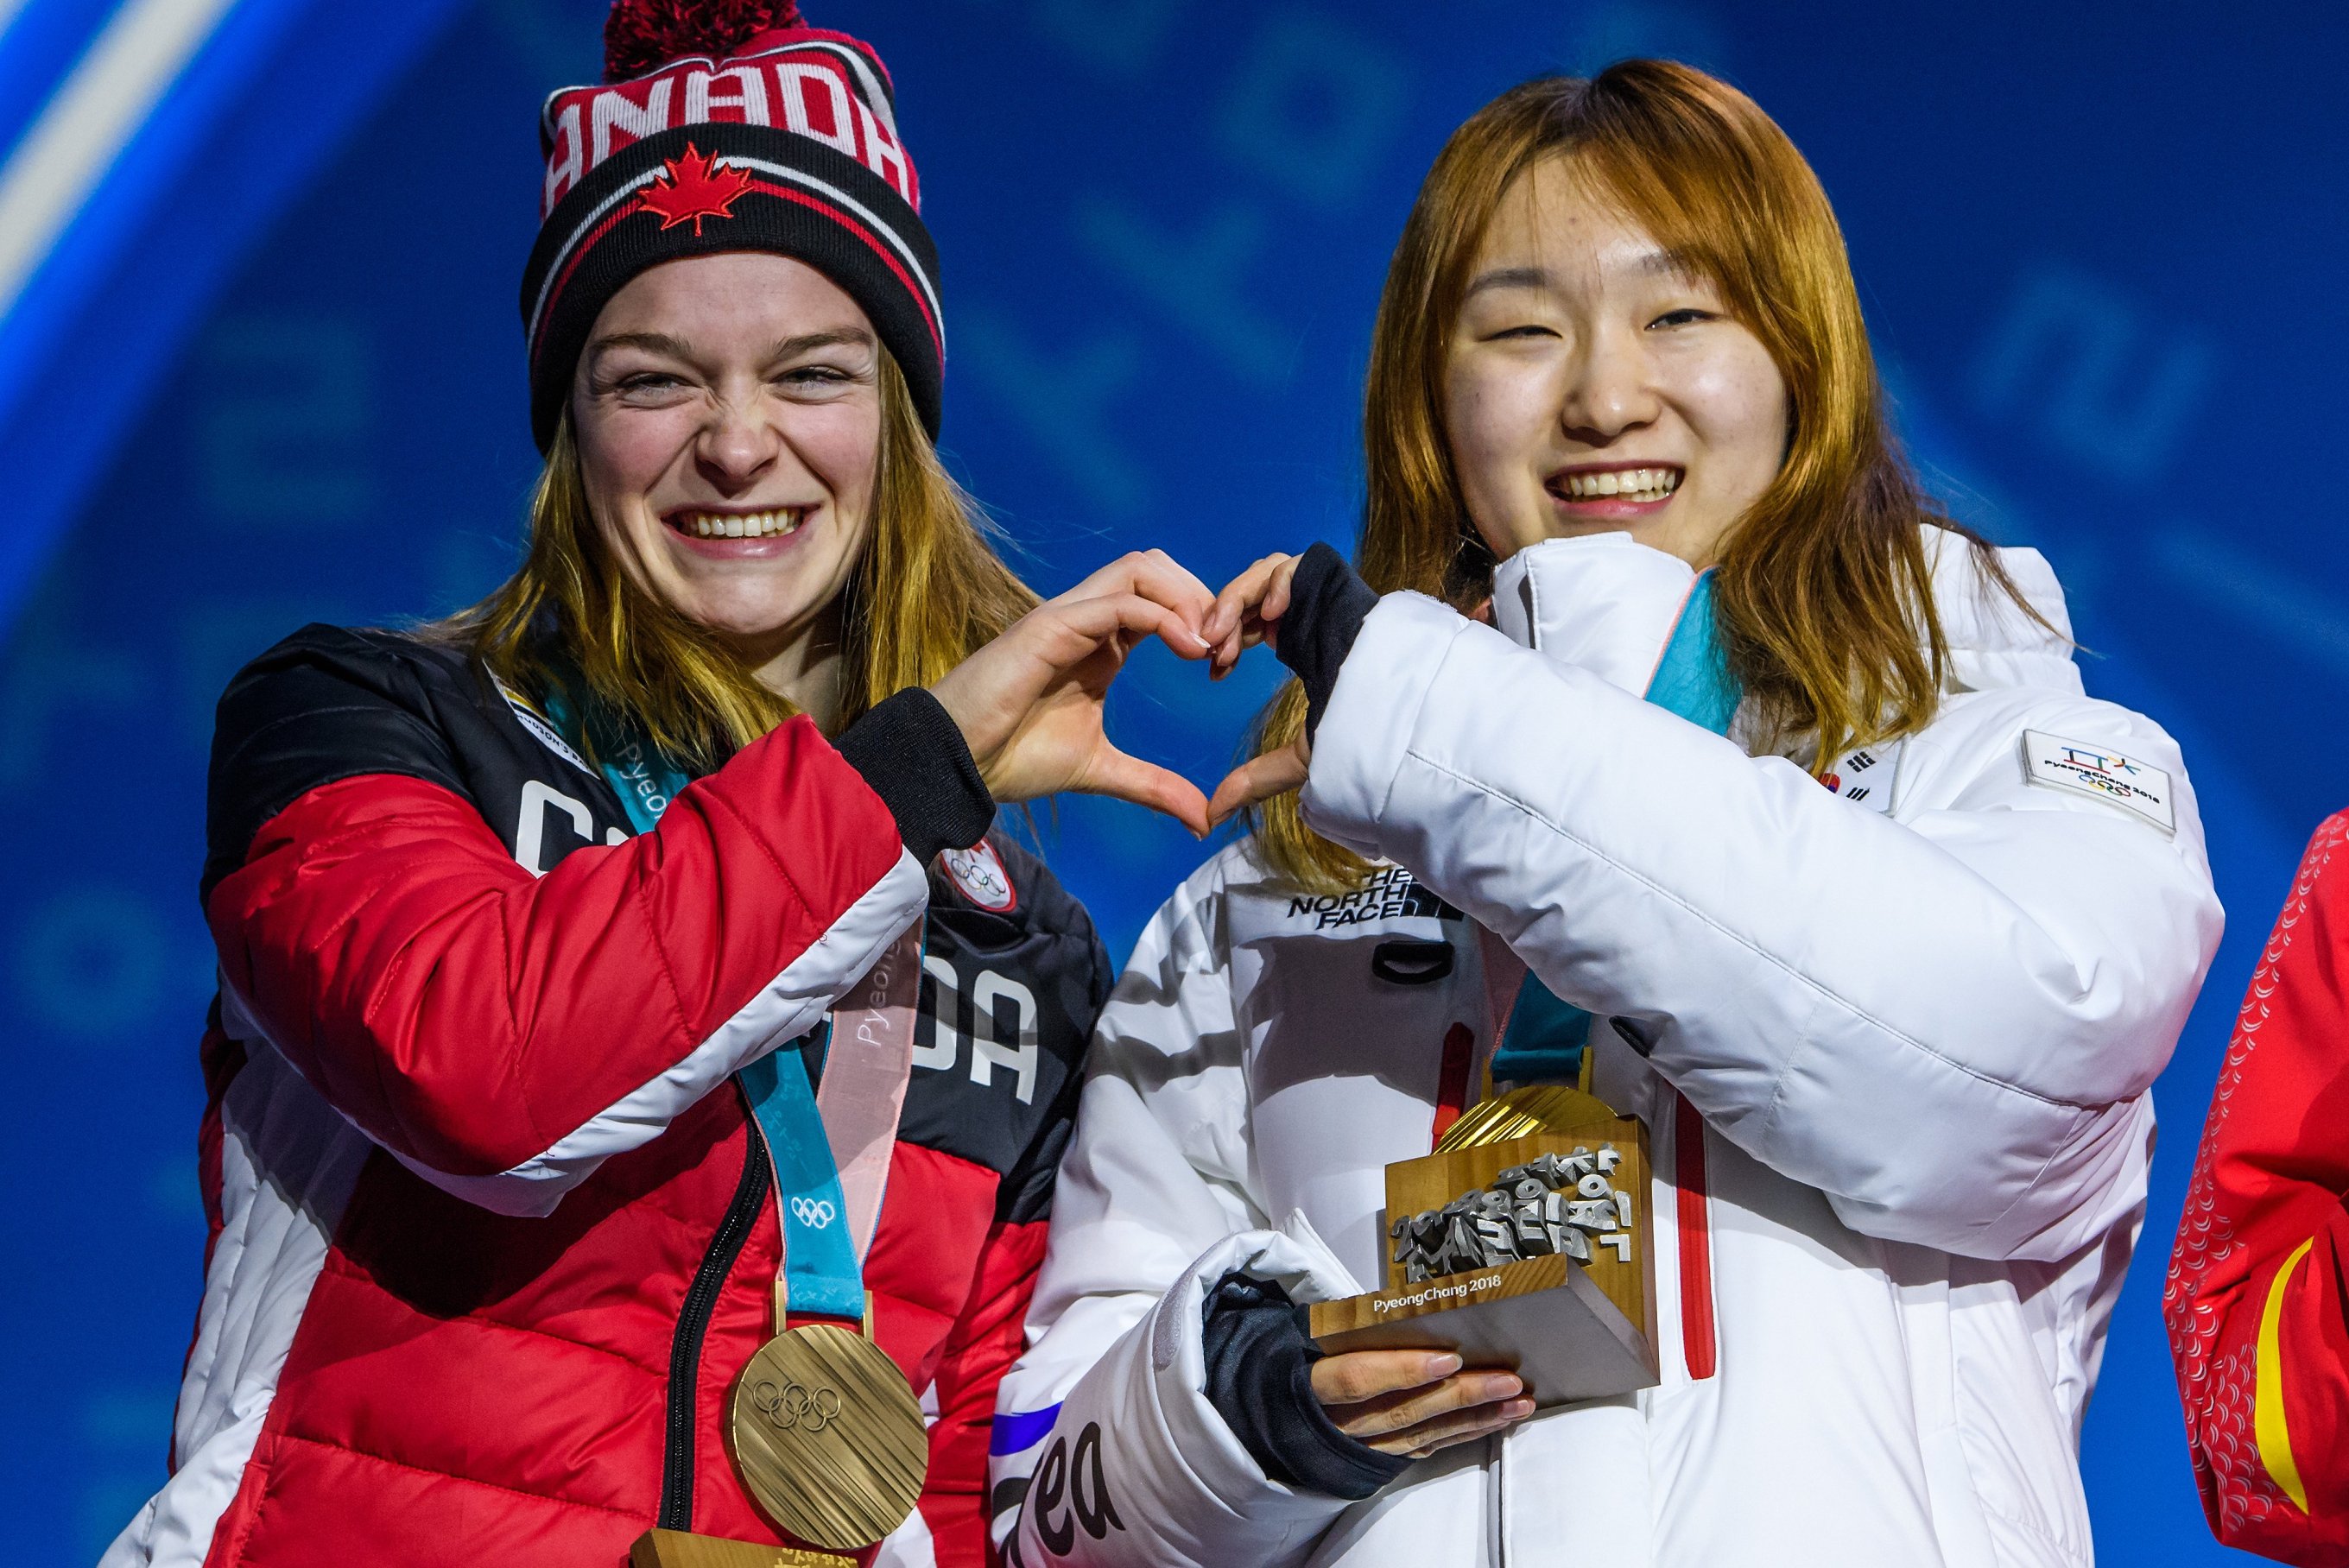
(727, 414)
(1593, 385)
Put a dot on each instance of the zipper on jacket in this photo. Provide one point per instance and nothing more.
(693, 1323)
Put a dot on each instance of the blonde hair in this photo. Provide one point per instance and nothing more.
(1824, 592)
(928, 591)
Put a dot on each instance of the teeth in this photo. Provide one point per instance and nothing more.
(1632, 484)
(757, 525)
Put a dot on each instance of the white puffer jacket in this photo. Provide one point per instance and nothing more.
(1899, 1034)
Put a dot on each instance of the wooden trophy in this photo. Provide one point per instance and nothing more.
(675, 1549)
(1522, 1242)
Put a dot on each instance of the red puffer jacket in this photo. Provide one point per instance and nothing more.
(2257, 1297)
(493, 1231)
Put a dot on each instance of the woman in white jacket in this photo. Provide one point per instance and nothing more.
(1892, 1036)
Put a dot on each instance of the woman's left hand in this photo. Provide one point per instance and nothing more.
(1029, 704)
(1261, 779)
(1249, 612)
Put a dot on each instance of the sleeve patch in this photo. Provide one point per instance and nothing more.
(2134, 786)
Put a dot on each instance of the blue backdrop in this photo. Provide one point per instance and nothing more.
(271, 372)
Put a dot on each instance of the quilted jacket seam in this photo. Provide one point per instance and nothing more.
(341, 1266)
(451, 1475)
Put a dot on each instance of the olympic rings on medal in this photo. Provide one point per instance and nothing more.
(794, 1403)
(814, 1213)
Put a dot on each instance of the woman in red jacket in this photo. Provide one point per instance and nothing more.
(526, 1135)
(2258, 1298)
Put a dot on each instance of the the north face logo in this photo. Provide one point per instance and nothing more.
(689, 189)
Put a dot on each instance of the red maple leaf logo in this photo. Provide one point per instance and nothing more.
(689, 189)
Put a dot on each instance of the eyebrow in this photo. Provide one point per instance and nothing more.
(1669, 263)
(678, 348)
(650, 342)
(1509, 278)
(790, 347)
(1651, 263)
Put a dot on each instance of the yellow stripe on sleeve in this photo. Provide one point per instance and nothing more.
(2267, 1406)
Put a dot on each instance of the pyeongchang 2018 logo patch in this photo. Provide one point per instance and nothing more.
(978, 875)
(2139, 787)
(1389, 893)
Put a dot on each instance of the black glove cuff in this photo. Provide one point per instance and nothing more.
(1327, 605)
(1260, 1381)
(915, 759)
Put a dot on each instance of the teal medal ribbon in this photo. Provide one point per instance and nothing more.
(821, 1272)
(645, 778)
(822, 1275)
(1545, 1036)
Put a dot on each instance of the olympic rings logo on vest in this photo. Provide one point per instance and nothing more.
(794, 1403)
(814, 1213)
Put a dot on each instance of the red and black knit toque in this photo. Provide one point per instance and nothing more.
(642, 35)
(728, 124)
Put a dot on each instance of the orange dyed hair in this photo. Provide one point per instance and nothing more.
(1823, 595)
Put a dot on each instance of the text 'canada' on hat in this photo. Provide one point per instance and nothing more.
(728, 124)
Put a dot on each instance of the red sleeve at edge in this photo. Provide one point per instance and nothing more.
(2268, 1183)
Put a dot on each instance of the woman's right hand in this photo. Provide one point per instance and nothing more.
(1414, 1402)
(1029, 704)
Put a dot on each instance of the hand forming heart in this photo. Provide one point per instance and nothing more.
(1249, 612)
(1029, 703)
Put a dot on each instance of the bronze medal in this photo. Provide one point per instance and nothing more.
(830, 1438)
